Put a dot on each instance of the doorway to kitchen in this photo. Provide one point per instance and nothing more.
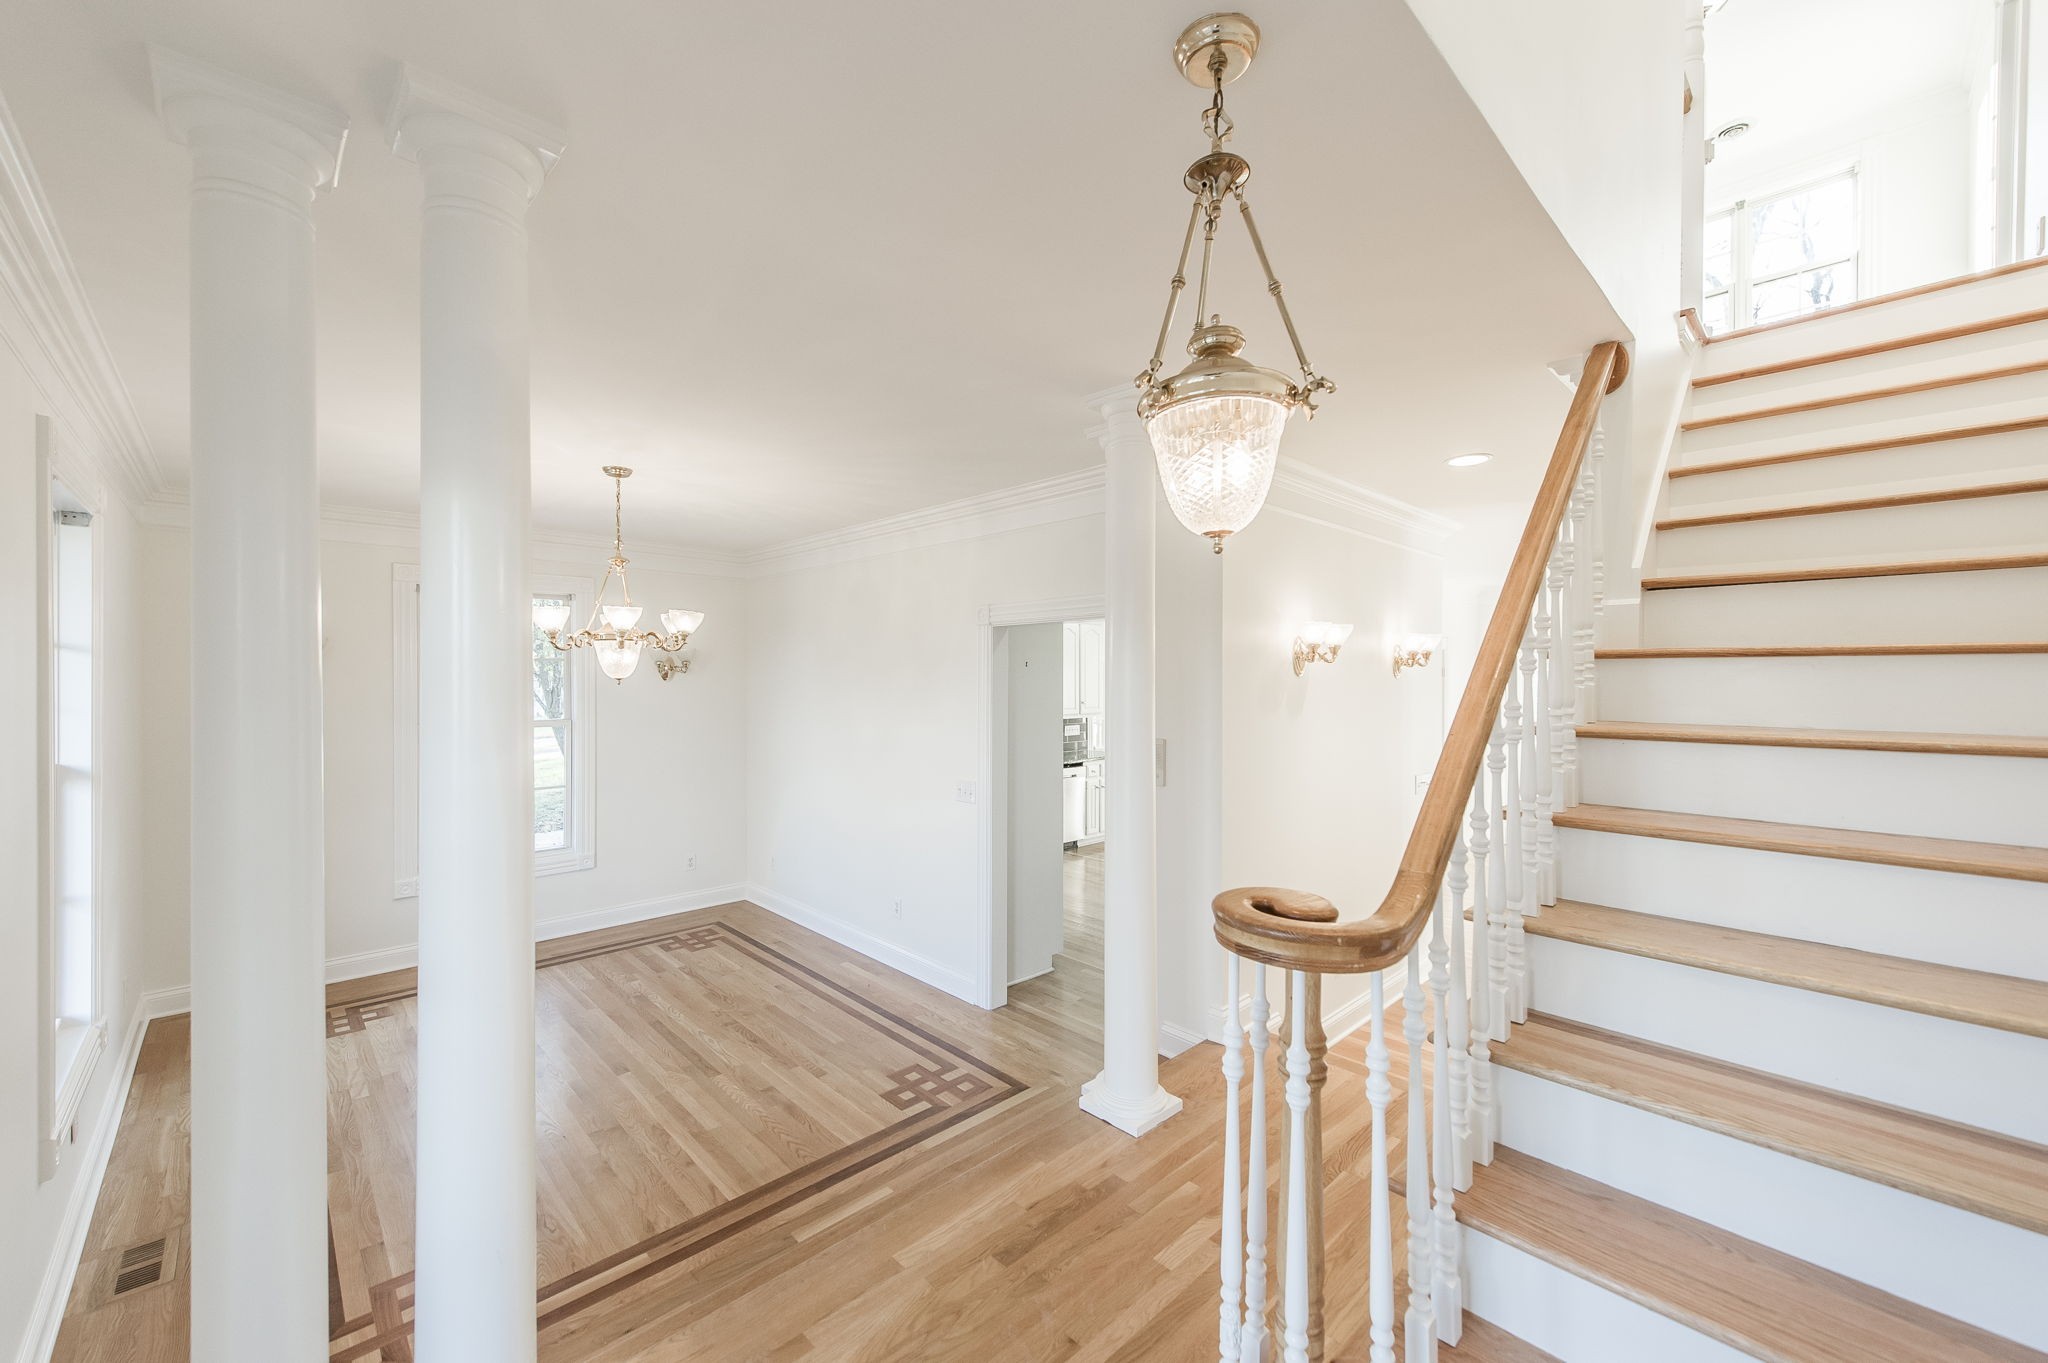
(1045, 832)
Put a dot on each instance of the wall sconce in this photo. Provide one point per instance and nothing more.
(1414, 650)
(1318, 642)
(666, 667)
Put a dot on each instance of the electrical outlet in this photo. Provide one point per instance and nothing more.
(899, 908)
(964, 792)
(690, 862)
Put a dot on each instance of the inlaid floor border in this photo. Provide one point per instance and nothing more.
(935, 1098)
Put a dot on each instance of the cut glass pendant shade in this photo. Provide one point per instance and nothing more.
(618, 660)
(550, 618)
(1216, 457)
(622, 617)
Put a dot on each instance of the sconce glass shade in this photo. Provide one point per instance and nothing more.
(550, 619)
(681, 622)
(618, 659)
(1325, 634)
(622, 617)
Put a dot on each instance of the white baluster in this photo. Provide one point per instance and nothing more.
(1567, 651)
(1485, 1120)
(1255, 1345)
(1379, 1090)
(1582, 614)
(1500, 865)
(1294, 1335)
(1521, 828)
(1230, 1312)
(1535, 770)
(1447, 1103)
(1421, 1322)
(1557, 708)
(1454, 1021)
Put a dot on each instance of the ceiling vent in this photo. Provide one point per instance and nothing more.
(139, 1267)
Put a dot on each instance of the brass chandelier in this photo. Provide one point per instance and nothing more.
(1215, 426)
(617, 644)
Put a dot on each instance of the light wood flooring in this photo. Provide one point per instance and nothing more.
(756, 1147)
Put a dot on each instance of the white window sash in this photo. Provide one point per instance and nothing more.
(581, 852)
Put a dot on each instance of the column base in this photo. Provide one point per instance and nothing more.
(1133, 1119)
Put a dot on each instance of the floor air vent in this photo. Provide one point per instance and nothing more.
(139, 1266)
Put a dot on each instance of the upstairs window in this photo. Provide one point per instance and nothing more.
(1784, 256)
(554, 738)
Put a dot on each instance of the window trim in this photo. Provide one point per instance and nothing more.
(581, 853)
(67, 1054)
(1741, 246)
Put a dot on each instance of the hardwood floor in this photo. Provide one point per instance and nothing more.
(756, 1145)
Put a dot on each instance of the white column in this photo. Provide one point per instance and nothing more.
(1127, 1094)
(475, 1245)
(1699, 150)
(259, 1072)
(2009, 36)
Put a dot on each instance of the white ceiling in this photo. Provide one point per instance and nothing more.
(809, 264)
(1793, 68)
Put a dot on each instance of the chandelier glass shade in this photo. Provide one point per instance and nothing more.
(1215, 426)
(610, 632)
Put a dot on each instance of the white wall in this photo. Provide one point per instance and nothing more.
(670, 770)
(41, 1222)
(1914, 181)
(1588, 101)
(864, 718)
(1028, 662)
(1319, 770)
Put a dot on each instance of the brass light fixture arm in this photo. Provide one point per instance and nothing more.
(1180, 281)
(1312, 382)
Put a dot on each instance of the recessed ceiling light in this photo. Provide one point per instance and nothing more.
(1732, 131)
(1466, 461)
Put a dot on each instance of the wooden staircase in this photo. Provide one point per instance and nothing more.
(1782, 1091)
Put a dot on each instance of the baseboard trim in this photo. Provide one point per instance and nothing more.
(921, 968)
(39, 1339)
(1174, 1039)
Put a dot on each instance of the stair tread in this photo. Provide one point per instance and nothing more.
(2007, 1002)
(1923, 497)
(1844, 571)
(1985, 1172)
(1890, 442)
(2002, 860)
(1879, 300)
(1867, 395)
(1865, 740)
(1820, 650)
(1750, 1297)
(1808, 361)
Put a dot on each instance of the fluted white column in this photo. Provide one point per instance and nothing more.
(259, 1075)
(481, 165)
(1127, 1094)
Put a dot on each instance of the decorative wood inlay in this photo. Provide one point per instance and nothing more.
(1891, 442)
(1897, 499)
(2012, 319)
(1822, 650)
(1862, 740)
(2000, 860)
(1846, 571)
(1866, 395)
(1883, 298)
(922, 1086)
(354, 1017)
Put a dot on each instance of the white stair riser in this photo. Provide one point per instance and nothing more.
(2015, 396)
(1963, 693)
(1936, 795)
(1976, 1269)
(1884, 909)
(1920, 608)
(1956, 305)
(1932, 530)
(1906, 1059)
(1982, 458)
(1577, 1320)
(1975, 353)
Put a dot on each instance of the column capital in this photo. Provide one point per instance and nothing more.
(1117, 427)
(267, 132)
(442, 125)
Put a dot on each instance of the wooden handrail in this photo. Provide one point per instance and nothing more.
(1300, 931)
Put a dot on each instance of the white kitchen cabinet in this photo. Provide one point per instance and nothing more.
(1070, 668)
(1073, 805)
(1093, 681)
(1097, 793)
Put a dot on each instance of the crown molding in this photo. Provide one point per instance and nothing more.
(1065, 497)
(56, 334)
(1302, 488)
